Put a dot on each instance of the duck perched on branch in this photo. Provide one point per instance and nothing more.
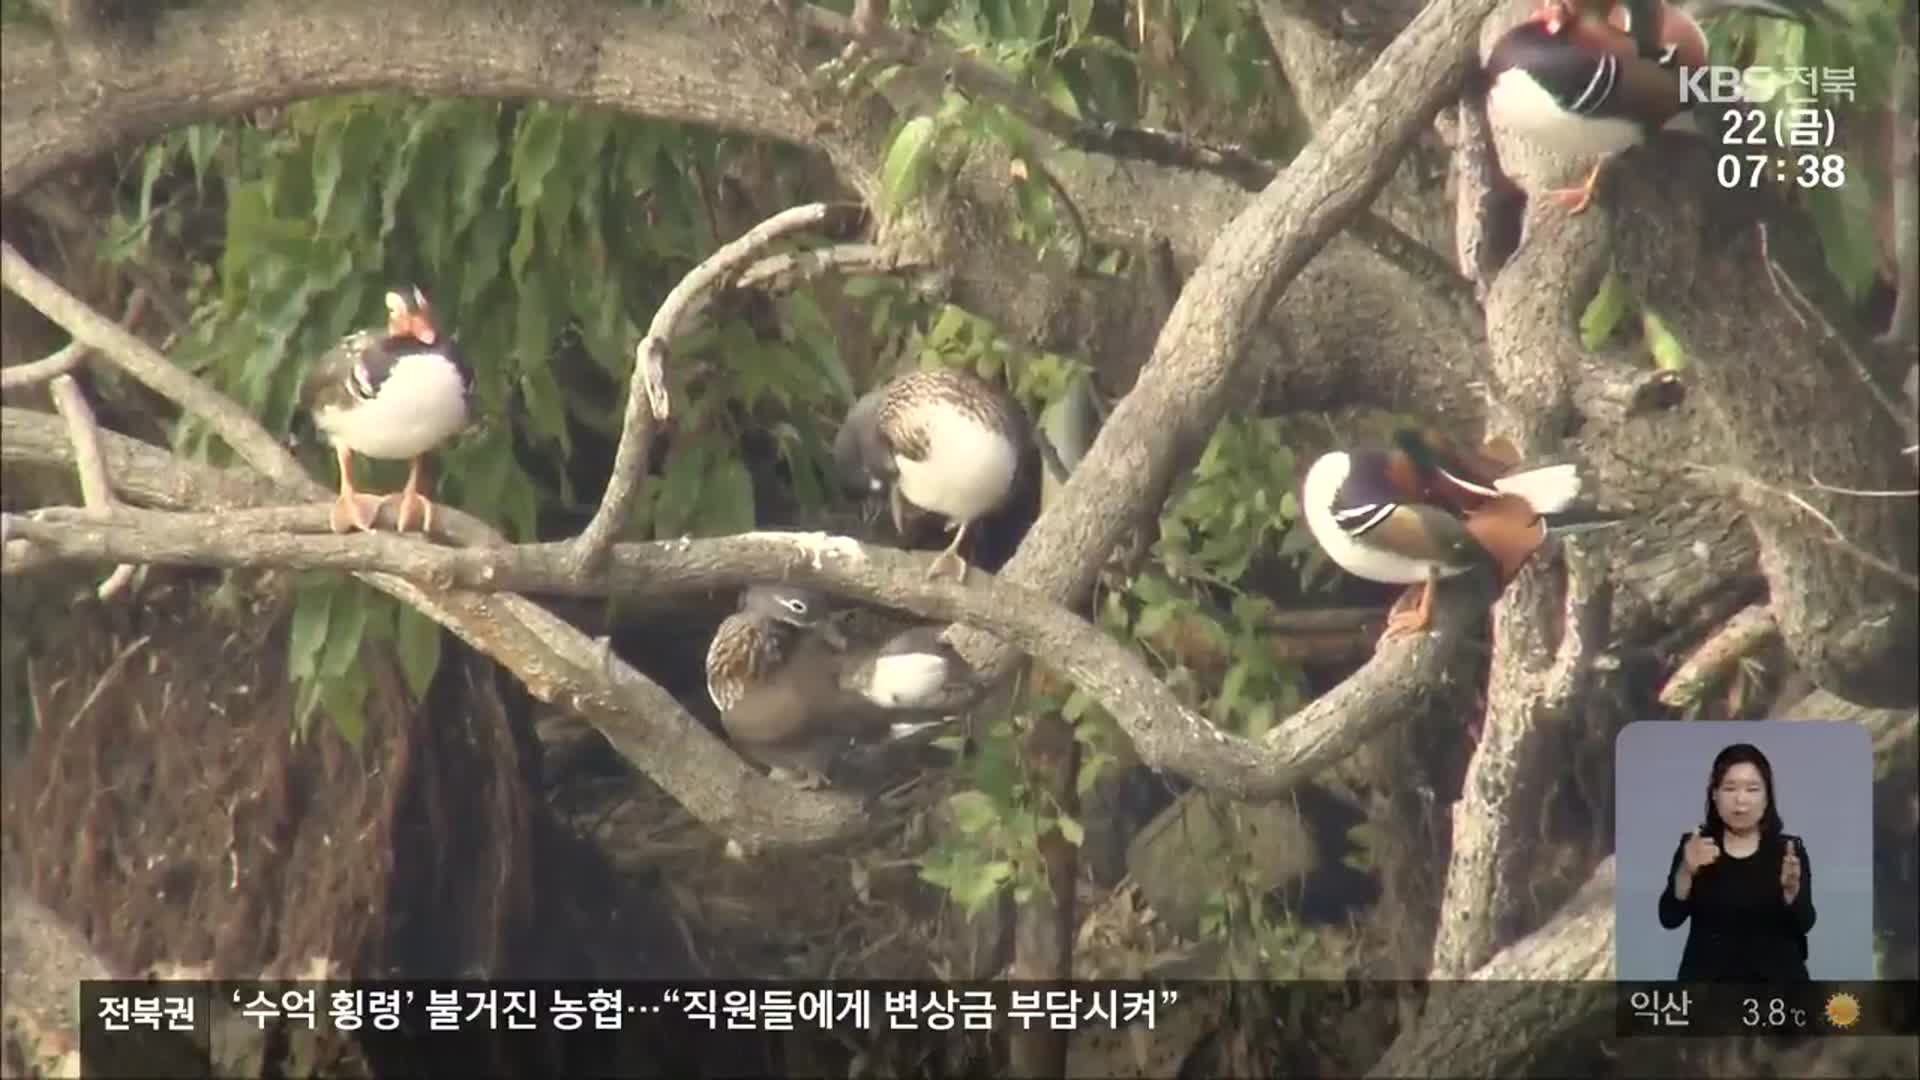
(391, 396)
(1591, 78)
(791, 696)
(1421, 511)
(760, 637)
(942, 440)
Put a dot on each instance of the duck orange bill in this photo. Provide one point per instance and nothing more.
(1510, 531)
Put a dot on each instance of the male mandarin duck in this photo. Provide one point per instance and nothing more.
(1591, 78)
(756, 640)
(390, 396)
(942, 440)
(1422, 511)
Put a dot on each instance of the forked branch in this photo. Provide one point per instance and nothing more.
(647, 400)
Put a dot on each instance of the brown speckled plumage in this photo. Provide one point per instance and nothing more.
(902, 420)
(941, 440)
(754, 642)
(800, 716)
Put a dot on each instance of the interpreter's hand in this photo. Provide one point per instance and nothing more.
(1790, 875)
(1700, 851)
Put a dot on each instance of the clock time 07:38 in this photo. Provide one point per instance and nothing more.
(1800, 170)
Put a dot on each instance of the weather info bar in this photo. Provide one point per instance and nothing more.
(1730, 1009)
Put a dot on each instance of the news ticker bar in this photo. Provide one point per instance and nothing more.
(184, 1028)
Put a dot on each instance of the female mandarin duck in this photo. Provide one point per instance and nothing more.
(942, 440)
(390, 396)
(1591, 78)
(915, 669)
(790, 696)
(756, 640)
(799, 718)
(1422, 511)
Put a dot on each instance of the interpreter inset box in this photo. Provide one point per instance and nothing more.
(1744, 851)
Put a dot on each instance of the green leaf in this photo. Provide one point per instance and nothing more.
(484, 481)
(1235, 682)
(727, 505)
(533, 349)
(1076, 706)
(1071, 830)
(312, 606)
(972, 891)
(1092, 766)
(1844, 219)
(904, 169)
(1153, 620)
(1667, 352)
(346, 702)
(1079, 14)
(864, 286)
(1259, 720)
(202, 141)
(1604, 312)
(811, 326)
(522, 249)
(306, 699)
(346, 622)
(677, 492)
(328, 163)
(421, 126)
(536, 147)
(973, 811)
(477, 145)
(417, 640)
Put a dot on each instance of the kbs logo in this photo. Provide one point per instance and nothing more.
(1721, 84)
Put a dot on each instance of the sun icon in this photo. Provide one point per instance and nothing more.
(1843, 1010)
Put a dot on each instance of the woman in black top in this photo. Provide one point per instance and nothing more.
(1745, 883)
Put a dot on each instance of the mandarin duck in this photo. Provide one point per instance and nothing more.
(941, 440)
(803, 714)
(1591, 78)
(758, 639)
(1422, 511)
(390, 396)
(915, 669)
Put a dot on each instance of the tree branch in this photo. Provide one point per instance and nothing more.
(83, 431)
(1184, 387)
(1169, 148)
(555, 661)
(1164, 732)
(647, 402)
(650, 61)
(1749, 629)
(1534, 691)
(748, 75)
(981, 81)
(1773, 394)
(1499, 1034)
(63, 360)
(235, 426)
(1903, 325)
(46, 961)
(777, 273)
